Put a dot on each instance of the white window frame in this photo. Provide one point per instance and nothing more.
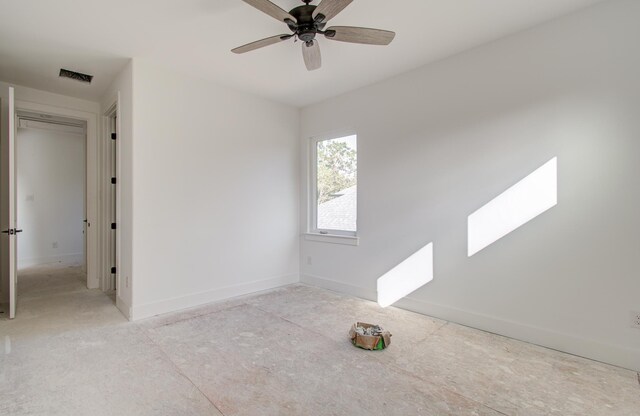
(315, 233)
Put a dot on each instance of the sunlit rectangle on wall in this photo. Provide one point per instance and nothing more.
(406, 277)
(516, 206)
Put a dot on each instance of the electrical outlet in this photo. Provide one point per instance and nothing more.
(635, 319)
(126, 282)
(309, 262)
(55, 244)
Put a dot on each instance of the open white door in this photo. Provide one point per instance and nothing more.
(12, 231)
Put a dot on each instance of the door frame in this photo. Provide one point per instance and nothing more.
(93, 260)
(113, 110)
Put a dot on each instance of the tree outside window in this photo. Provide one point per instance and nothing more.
(336, 173)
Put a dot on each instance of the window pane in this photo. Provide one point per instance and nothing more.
(337, 184)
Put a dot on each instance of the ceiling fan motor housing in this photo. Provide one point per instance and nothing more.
(306, 27)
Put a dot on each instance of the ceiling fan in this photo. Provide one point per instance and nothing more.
(308, 21)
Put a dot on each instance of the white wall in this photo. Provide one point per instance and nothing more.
(50, 195)
(216, 183)
(439, 142)
(38, 100)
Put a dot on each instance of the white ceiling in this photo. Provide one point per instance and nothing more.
(37, 38)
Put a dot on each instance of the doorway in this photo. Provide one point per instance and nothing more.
(51, 191)
(38, 116)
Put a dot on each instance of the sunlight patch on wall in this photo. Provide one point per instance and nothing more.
(516, 206)
(406, 277)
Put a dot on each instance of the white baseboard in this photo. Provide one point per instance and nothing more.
(73, 258)
(216, 295)
(340, 287)
(595, 350)
(123, 307)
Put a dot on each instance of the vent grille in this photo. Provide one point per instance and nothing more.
(65, 73)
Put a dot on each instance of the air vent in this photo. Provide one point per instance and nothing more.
(65, 73)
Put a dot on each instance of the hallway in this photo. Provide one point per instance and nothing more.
(71, 352)
(53, 298)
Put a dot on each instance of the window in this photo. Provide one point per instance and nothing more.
(334, 190)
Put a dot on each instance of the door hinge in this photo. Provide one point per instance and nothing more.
(113, 225)
(113, 181)
(11, 231)
(113, 136)
(113, 270)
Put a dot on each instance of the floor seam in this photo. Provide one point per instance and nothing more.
(287, 320)
(437, 329)
(414, 375)
(417, 376)
(495, 410)
(180, 372)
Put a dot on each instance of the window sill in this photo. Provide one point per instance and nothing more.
(333, 239)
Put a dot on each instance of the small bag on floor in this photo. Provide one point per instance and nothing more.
(369, 336)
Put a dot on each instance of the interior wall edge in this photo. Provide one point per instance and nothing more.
(123, 307)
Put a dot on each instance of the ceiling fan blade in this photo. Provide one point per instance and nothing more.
(311, 54)
(360, 35)
(328, 9)
(271, 9)
(261, 43)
